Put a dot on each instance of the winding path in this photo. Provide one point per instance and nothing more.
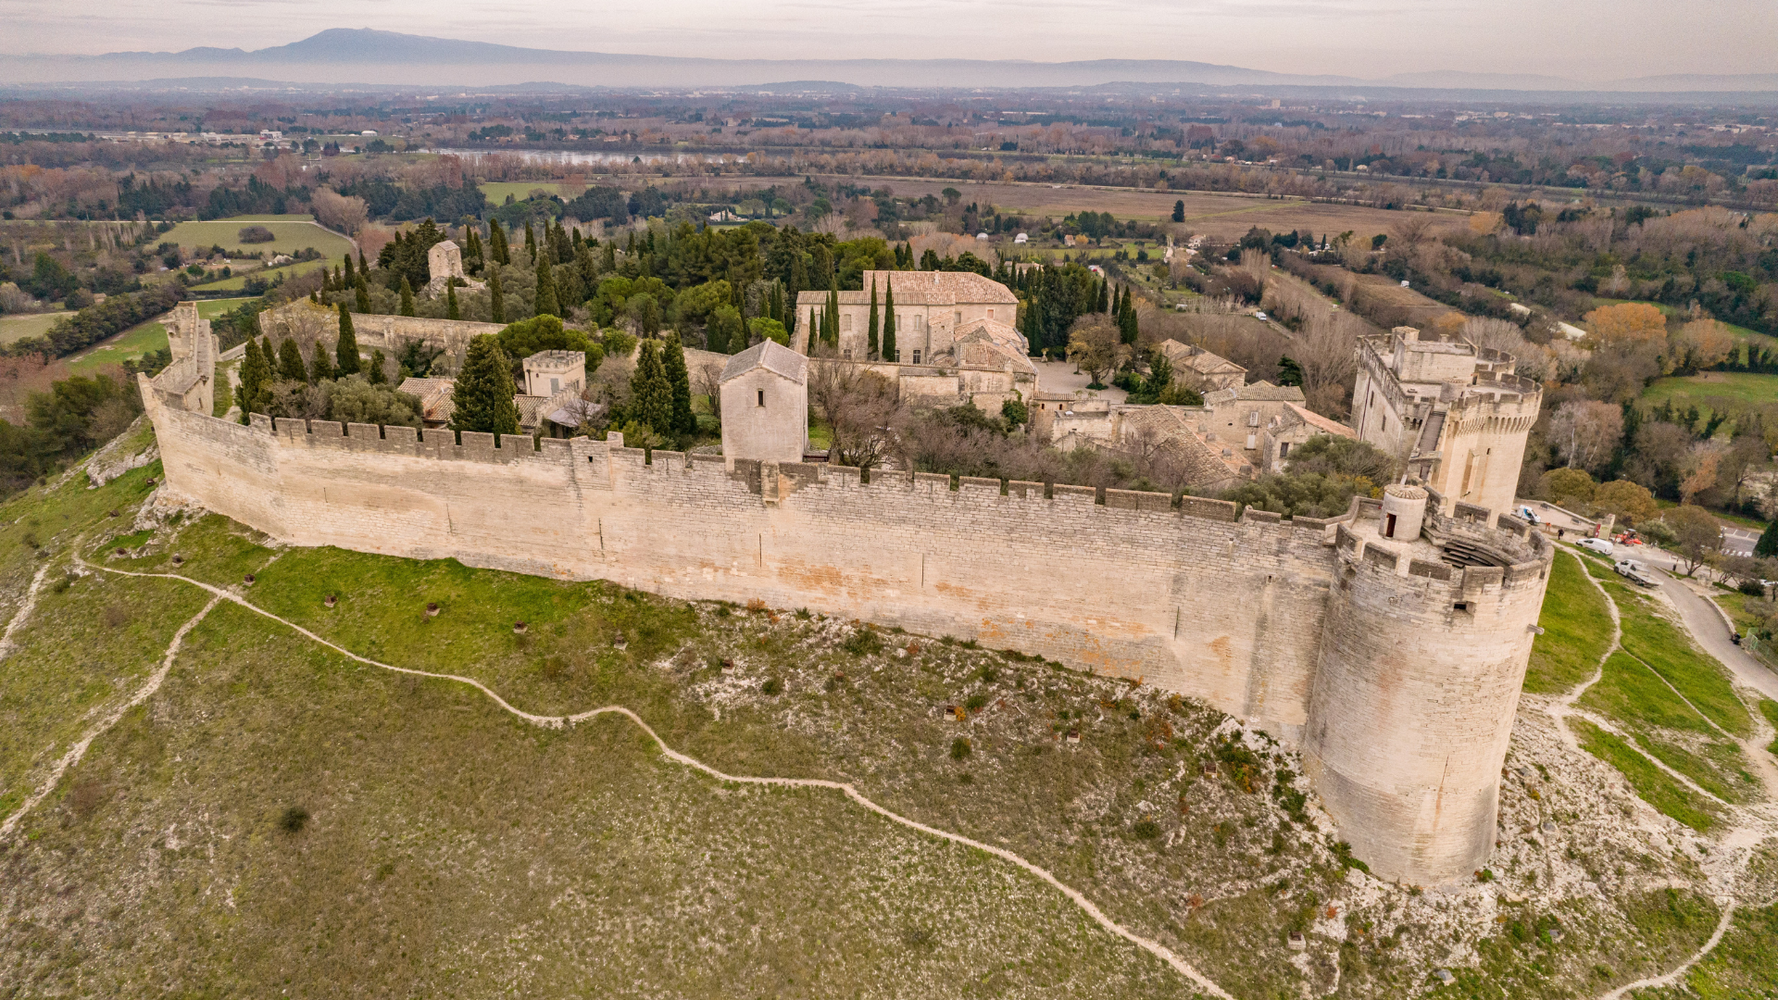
(1754, 830)
(219, 594)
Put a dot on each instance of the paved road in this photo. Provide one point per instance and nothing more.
(1707, 625)
(1738, 541)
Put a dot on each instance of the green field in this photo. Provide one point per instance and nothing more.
(1577, 631)
(292, 232)
(496, 191)
(132, 343)
(29, 325)
(1732, 388)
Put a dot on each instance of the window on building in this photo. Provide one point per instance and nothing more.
(1252, 441)
(990, 314)
(1283, 450)
(762, 397)
(916, 357)
(847, 354)
(555, 386)
(1253, 418)
(845, 322)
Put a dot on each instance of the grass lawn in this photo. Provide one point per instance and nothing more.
(1576, 631)
(292, 232)
(132, 343)
(496, 191)
(1729, 387)
(1650, 782)
(28, 325)
(212, 308)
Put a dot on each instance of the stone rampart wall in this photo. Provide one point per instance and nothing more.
(1191, 599)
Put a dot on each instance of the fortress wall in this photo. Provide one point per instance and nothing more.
(1195, 601)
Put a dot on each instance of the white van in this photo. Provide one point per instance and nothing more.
(1599, 545)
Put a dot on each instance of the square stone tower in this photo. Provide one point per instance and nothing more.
(765, 404)
(550, 372)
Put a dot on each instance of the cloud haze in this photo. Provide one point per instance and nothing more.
(1361, 38)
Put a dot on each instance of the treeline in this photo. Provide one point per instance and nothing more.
(96, 322)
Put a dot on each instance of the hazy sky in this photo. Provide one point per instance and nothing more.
(1365, 38)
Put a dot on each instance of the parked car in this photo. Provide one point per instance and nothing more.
(1529, 515)
(1598, 545)
(1633, 571)
(1260, 316)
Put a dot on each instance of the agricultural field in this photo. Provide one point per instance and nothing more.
(27, 325)
(1223, 217)
(130, 344)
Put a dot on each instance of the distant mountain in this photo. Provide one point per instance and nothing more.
(367, 56)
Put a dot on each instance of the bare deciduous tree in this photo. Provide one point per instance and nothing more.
(1096, 345)
(1584, 432)
(862, 411)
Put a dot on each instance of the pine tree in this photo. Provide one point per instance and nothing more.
(496, 301)
(320, 368)
(254, 394)
(407, 298)
(290, 362)
(651, 393)
(451, 302)
(889, 352)
(546, 287)
(673, 361)
(871, 324)
(497, 243)
(347, 350)
(377, 375)
(362, 299)
(482, 398)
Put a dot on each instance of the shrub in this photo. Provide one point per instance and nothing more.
(293, 819)
(255, 234)
(960, 748)
(772, 687)
(863, 642)
(1146, 829)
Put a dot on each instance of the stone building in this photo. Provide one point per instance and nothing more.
(765, 404)
(1456, 415)
(549, 402)
(1202, 371)
(444, 261)
(933, 309)
(1389, 643)
(193, 348)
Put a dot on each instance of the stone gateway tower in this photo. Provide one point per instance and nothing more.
(1388, 643)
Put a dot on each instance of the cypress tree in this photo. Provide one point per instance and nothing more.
(833, 314)
(530, 242)
(673, 362)
(347, 349)
(497, 243)
(889, 352)
(472, 250)
(451, 302)
(482, 398)
(377, 375)
(1767, 546)
(320, 368)
(1126, 318)
(362, 298)
(363, 268)
(651, 393)
(870, 327)
(290, 362)
(496, 301)
(546, 288)
(608, 260)
(254, 394)
(265, 346)
(1103, 302)
(351, 277)
(407, 298)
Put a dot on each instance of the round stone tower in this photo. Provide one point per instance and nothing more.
(1423, 653)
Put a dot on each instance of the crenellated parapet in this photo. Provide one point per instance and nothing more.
(1392, 657)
